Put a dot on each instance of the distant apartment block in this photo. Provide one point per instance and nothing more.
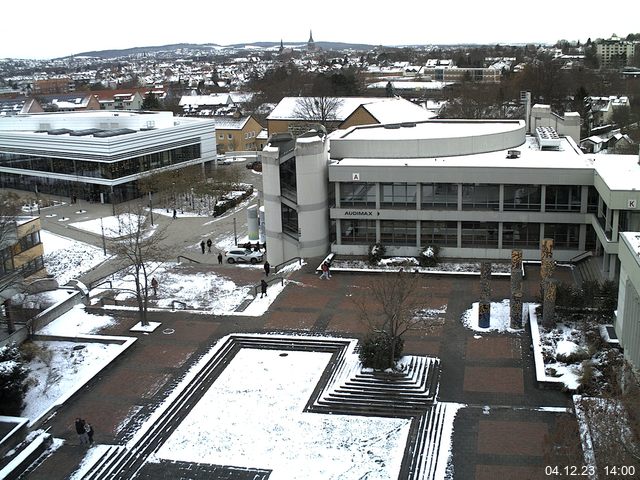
(615, 52)
(53, 85)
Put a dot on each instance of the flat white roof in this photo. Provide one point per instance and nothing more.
(432, 130)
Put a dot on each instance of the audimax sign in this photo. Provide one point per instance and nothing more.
(360, 213)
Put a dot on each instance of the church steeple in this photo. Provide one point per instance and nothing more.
(281, 46)
(311, 45)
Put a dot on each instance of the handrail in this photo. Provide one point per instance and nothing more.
(187, 258)
(173, 304)
(286, 262)
(273, 280)
(102, 283)
(581, 256)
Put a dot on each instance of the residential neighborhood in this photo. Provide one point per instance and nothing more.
(309, 259)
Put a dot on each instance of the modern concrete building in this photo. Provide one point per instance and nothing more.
(628, 314)
(98, 155)
(615, 52)
(477, 189)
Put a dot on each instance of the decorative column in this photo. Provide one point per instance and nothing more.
(484, 307)
(515, 304)
(549, 305)
(547, 287)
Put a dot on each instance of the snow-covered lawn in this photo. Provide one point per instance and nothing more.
(253, 417)
(114, 226)
(500, 319)
(67, 259)
(58, 368)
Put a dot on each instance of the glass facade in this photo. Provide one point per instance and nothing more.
(563, 198)
(106, 170)
(521, 235)
(522, 197)
(398, 232)
(358, 195)
(288, 182)
(564, 235)
(398, 195)
(358, 231)
(479, 196)
(442, 234)
(439, 196)
(480, 234)
(289, 220)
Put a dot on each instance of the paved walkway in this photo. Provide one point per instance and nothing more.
(500, 435)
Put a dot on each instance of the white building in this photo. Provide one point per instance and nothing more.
(98, 155)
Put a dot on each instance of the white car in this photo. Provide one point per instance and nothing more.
(242, 255)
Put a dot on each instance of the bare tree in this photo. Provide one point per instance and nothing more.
(391, 305)
(322, 110)
(140, 246)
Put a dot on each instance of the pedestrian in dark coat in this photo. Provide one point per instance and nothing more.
(267, 268)
(89, 429)
(263, 288)
(209, 243)
(220, 258)
(202, 245)
(82, 433)
(154, 285)
(175, 213)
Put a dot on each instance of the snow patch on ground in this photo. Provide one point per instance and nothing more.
(500, 317)
(77, 321)
(67, 259)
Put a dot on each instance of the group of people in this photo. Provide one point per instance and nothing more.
(85, 432)
(206, 246)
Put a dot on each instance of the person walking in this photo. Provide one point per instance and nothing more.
(267, 268)
(175, 213)
(154, 285)
(263, 288)
(325, 271)
(89, 429)
(82, 433)
(209, 243)
(202, 245)
(220, 258)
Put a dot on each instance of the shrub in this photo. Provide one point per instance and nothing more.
(376, 252)
(376, 351)
(430, 256)
(13, 375)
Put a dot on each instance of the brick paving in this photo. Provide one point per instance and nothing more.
(504, 440)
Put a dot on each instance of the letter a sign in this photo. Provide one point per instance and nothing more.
(356, 177)
(632, 203)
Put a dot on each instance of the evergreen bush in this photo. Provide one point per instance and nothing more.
(13, 375)
(430, 256)
(376, 252)
(376, 351)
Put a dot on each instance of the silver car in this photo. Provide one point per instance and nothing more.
(242, 255)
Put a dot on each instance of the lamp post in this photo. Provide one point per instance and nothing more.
(151, 208)
(235, 234)
(104, 243)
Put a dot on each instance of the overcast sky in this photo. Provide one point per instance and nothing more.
(48, 29)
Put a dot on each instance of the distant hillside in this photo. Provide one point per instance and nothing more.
(213, 46)
(154, 49)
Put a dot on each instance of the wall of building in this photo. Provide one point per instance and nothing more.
(567, 125)
(359, 117)
(628, 314)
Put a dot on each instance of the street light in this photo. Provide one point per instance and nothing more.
(104, 243)
(151, 208)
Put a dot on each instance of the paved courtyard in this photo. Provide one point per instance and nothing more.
(499, 435)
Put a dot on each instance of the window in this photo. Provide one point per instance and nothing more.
(288, 182)
(564, 235)
(358, 231)
(479, 196)
(522, 197)
(289, 221)
(398, 232)
(592, 200)
(480, 234)
(221, 136)
(29, 241)
(358, 195)
(563, 198)
(229, 136)
(520, 235)
(437, 196)
(398, 195)
(442, 234)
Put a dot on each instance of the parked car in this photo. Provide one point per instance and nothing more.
(244, 255)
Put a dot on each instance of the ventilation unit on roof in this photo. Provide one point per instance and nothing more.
(513, 154)
(391, 126)
(547, 137)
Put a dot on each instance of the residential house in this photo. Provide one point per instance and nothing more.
(69, 102)
(19, 105)
(237, 133)
(288, 116)
(121, 99)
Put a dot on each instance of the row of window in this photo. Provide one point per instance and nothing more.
(444, 196)
(112, 170)
(26, 242)
(445, 234)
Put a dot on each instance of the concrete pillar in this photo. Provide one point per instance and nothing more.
(252, 223)
(549, 305)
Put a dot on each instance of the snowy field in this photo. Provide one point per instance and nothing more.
(253, 417)
(57, 368)
(67, 259)
(114, 227)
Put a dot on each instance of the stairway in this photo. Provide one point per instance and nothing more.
(588, 270)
